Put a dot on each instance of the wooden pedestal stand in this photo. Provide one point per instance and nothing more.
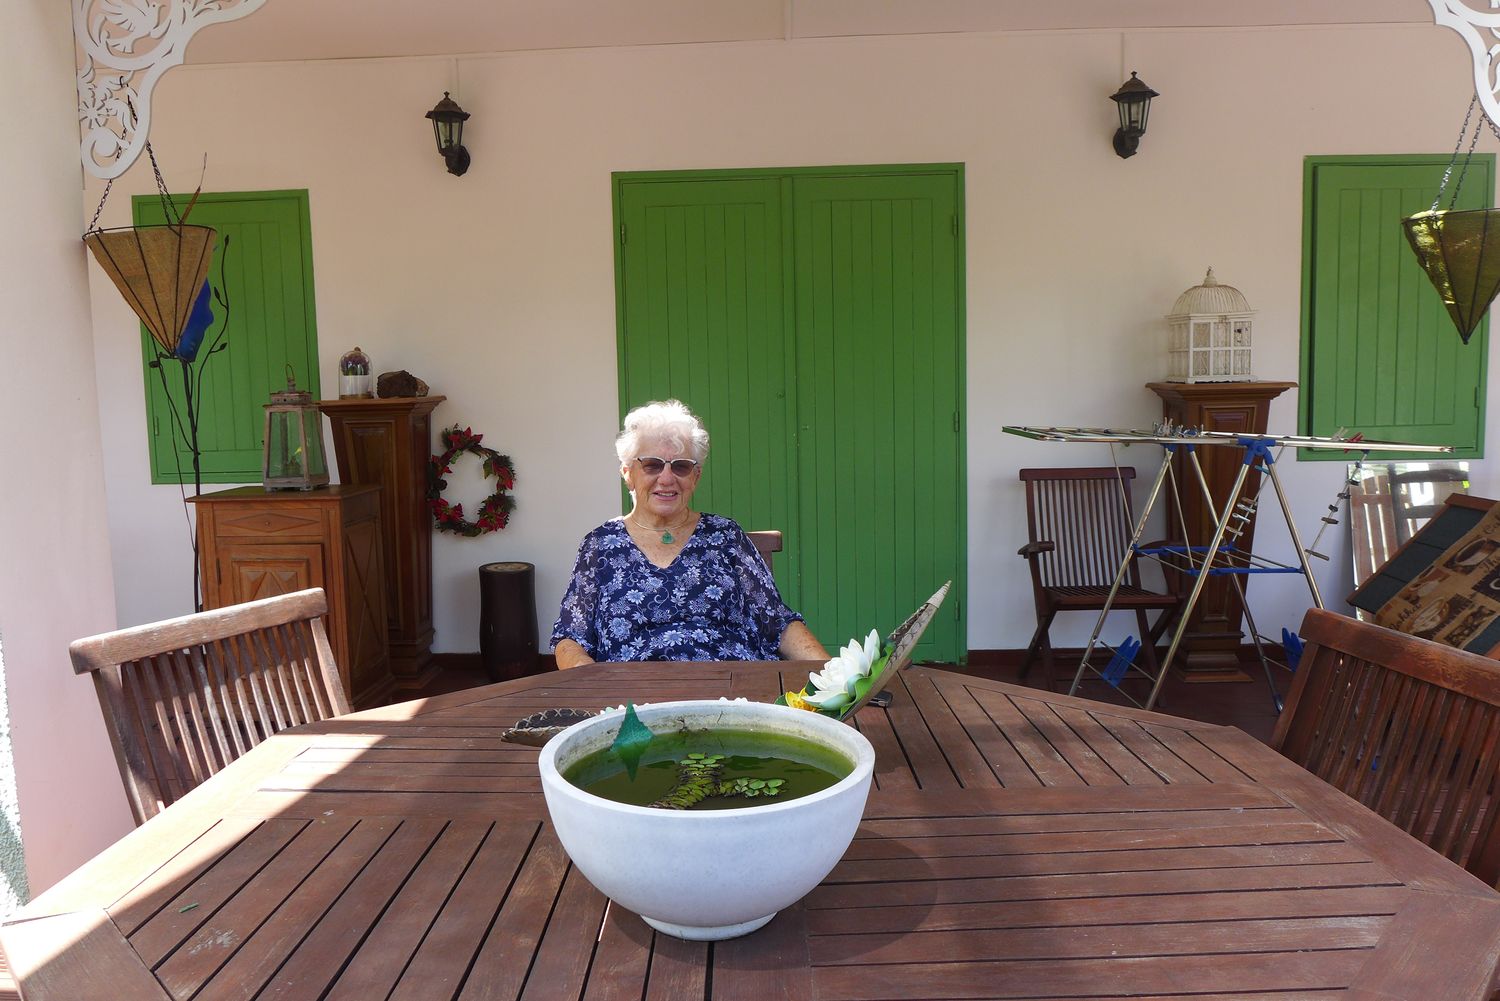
(1212, 643)
(387, 442)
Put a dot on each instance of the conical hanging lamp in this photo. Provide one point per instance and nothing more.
(1460, 251)
(159, 270)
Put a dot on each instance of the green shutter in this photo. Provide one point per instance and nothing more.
(879, 377)
(269, 283)
(813, 319)
(1380, 355)
(702, 307)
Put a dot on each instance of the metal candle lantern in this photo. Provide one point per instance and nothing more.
(293, 456)
(1209, 334)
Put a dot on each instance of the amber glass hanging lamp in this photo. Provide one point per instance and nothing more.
(1459, 249)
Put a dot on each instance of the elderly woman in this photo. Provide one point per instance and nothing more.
(666, 582)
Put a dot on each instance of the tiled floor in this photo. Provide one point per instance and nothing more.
(1245, 704)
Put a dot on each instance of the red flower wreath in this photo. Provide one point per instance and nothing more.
(494, 510)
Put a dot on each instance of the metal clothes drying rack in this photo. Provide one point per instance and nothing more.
(1222, 555)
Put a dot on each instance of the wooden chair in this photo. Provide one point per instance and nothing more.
(766, 543)
(1384, 514)
(1372, 526)
(1079, 530)
(1409, 727)
(185, 697)
(1441, 481)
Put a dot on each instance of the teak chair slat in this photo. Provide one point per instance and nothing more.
(1078, 529)
(766, 543)
(1408, 727)
(185, 697)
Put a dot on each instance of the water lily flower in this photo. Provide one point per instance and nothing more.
(833, 699)
(833, 687)
(796, 701)
(835, 677)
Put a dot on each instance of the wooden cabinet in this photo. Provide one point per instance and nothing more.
(386, 443)
(1211, 647)
(254, 543)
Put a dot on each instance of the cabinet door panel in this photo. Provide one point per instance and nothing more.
(363, 576)
(251, 571)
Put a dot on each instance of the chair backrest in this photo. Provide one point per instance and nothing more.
(1409, 727)
(1372, 525)
(766, 543)
(1419, 494)
(1081, 512)
(185, 697)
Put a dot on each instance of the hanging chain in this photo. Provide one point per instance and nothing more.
(1443, 185)
(1473, 141)
(161, 188)
(94, 222)
(167, 210)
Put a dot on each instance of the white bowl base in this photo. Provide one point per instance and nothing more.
(717, 934)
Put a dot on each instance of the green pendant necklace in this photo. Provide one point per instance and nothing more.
(667, 538)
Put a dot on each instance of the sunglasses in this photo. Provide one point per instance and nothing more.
(652, 466)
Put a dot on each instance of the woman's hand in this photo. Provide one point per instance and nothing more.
(570, 653)
(797, 643)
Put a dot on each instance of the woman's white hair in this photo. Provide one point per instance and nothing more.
(662, 420)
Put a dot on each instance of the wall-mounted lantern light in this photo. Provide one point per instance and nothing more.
(1134, 101)
(448, 127)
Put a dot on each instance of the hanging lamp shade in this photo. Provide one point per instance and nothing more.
(160, 270)
(1460, 251)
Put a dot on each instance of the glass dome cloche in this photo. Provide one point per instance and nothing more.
(356, 378)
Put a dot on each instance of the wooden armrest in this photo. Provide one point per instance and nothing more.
(1033, 548)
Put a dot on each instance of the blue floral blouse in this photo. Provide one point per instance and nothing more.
(716, 601)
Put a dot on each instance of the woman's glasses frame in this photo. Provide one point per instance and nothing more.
(653, 465)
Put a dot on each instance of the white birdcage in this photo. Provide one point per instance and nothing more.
(1208, 337)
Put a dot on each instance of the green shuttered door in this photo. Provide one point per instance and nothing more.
(814, 321)
(268, 274)
(1380, 353)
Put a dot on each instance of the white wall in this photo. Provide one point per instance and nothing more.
(497, 288)
(55, 578)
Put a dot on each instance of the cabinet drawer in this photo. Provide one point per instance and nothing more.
(283, 522)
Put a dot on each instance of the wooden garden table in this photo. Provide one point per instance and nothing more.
(1018, 844)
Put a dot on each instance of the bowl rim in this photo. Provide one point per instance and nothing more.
(862, 772)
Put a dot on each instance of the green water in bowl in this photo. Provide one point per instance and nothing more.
(802, 766)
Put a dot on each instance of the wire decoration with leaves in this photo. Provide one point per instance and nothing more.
(162, 272)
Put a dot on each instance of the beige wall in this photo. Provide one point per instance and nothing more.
(55, 581)
(497, 288)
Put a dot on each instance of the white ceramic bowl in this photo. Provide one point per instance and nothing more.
(714, 874)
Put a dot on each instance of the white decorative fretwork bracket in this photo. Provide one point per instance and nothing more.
(1481, 31)
(124, 48)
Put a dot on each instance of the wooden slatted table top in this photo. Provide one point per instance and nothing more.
(1017, 844)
